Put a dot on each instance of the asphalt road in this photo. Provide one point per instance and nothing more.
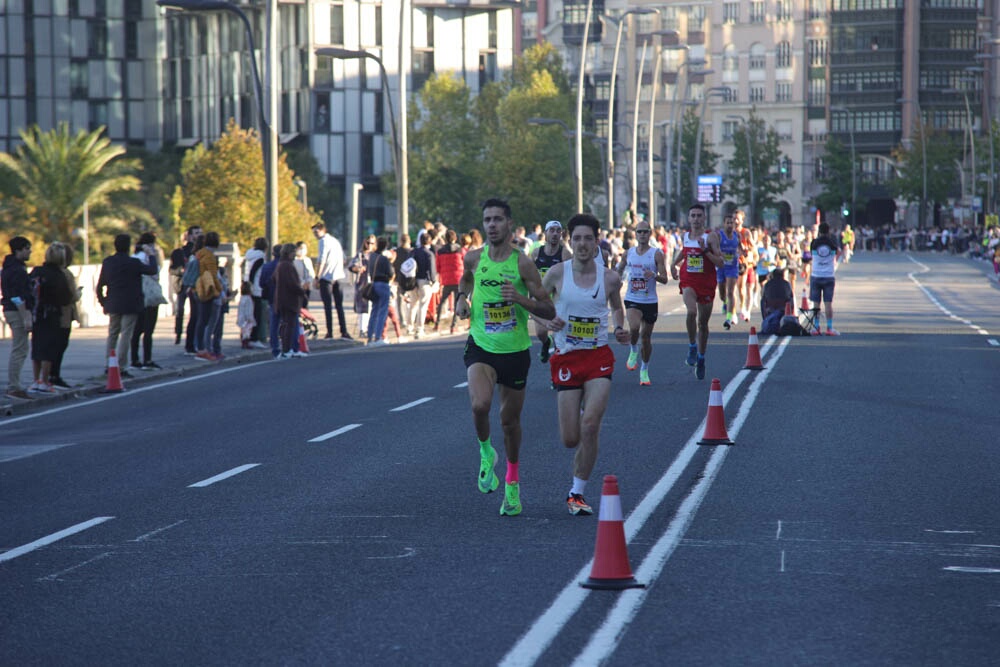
(317, 512)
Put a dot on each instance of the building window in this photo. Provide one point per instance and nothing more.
(493, 29)
(97, 39)
(756, 93)
(323, 76)
(731, 12)
(817, 92)
(731, 95)
(730, 59)
(728, 128)
(670, 18)
(644, 23)
(783, 55)
(368, 154)
(379, 113)
(696, 17)
(79, 85)
(817, 9)
(602, 88)
(97, 115)
(378, 26)
(783, 92)
(784, 129)
(488, 68)
(818, 49)
(783, 10)
(337, 24)
(757, 11)
(758, 58)
(131, 40)
(423, 67)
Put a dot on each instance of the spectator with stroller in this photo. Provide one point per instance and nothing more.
(288, 295)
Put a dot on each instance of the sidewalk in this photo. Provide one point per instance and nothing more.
(83, 364)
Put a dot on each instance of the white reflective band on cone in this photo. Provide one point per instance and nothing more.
(611, 508)
(715, 399)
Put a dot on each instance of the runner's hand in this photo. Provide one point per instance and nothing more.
(555, 324)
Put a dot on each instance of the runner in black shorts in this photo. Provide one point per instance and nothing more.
(511, 367)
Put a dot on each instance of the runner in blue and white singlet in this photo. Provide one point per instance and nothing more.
(726, 275)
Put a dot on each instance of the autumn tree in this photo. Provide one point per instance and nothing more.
(223, 191)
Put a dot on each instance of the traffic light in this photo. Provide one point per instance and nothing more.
(785, 166)
(845, 210)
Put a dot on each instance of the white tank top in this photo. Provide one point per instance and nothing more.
(638, 289)
(585, 311)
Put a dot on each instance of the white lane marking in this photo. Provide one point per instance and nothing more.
(223, 475)
(546, 627)
(14, 452)
(408, 552)
(603, 642)
(55, 576)
(143, 538)
(994, 342)
(412, 404)
(950, 532)
(460, 385)
(782, 560)
(334, 434)
(778, 536)
(972, 570)
(54, 537)
(925, 269)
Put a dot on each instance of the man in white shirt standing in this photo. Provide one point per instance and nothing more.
(329, 272)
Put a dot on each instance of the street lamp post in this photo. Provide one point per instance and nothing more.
(854, 164)
(635, 131)
(746, 135)
(611, 109)
(579, 108)
(268, 139)
(923, 157)
(401, 184)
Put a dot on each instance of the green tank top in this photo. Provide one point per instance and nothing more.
(496, 325)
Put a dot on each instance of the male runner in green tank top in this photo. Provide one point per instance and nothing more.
(500, 287)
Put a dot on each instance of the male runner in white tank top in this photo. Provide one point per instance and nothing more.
(641, 267)
(583, 289)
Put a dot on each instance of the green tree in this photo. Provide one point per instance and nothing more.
(161, 176)
(942, 173)
(706, 164)
(53, 176)
(327, 201)
(836, 177)
(445, 148)
(768, 182)
(223, 191)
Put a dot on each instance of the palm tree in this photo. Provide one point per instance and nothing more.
(53, 176)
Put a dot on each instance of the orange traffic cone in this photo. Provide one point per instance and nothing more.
(753, 353)
(611, 571)
(715, 422)
(789, 309)
(303, 345)
(114, 385)
(804, 305)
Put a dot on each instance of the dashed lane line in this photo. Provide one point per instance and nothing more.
(222, 475)
(54, 537)
(412, 404)
(334, 434)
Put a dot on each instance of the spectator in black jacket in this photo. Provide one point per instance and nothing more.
(52, 292)
(119, 291)
(17, 304)
(415, 316)
(178, 262)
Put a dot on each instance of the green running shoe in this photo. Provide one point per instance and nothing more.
(488, 481)
(644, 377)
(633, 361)
(511, 500)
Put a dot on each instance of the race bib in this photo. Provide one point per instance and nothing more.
(637, 284)
(727, 257)
(499, 317)
(695, 263)
(581, 332)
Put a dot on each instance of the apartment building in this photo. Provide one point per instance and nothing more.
(157, 77)
(853, 69)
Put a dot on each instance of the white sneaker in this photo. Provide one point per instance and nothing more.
(300, 354)
(257, 345)
(283, 356)
(379, 343)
